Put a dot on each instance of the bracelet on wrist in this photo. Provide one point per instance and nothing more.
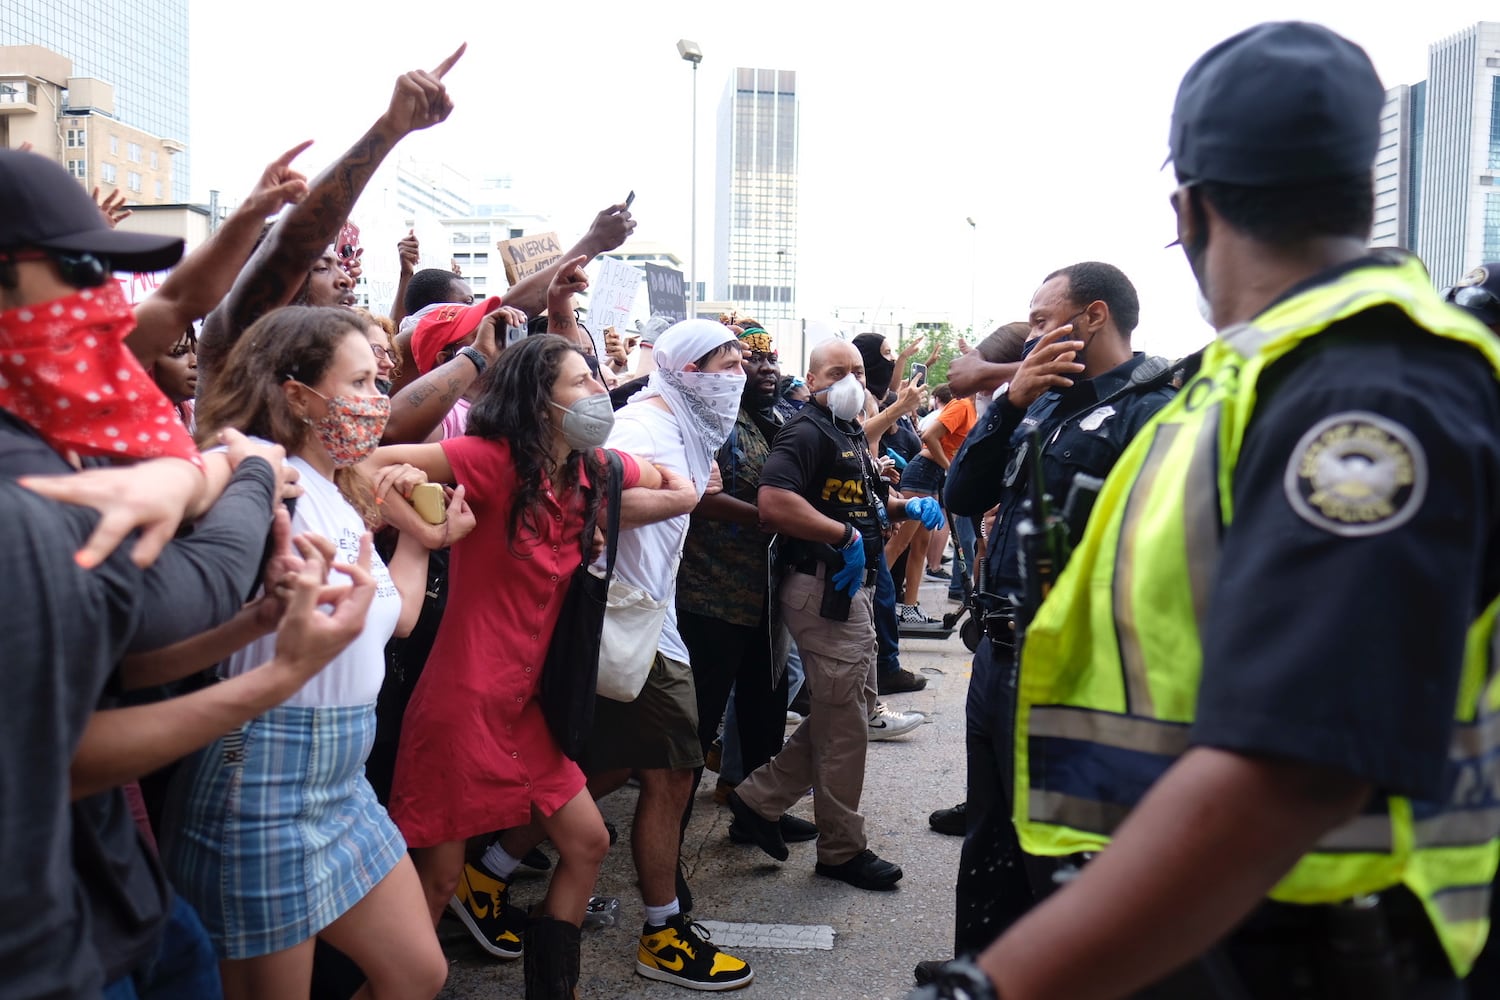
(849, 536)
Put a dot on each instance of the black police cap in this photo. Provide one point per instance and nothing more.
(1279, 104)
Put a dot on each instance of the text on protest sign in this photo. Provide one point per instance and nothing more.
(664, 288)
(526, 255)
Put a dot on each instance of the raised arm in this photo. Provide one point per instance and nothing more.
(206, 275)
(567, 281)
(410, 252)
(611, 227)
(280, 265)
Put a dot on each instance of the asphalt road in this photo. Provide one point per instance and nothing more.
(878, 936)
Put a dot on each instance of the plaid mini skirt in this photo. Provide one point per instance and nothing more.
(272, 832)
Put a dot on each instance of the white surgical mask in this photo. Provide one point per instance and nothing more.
(846, 397)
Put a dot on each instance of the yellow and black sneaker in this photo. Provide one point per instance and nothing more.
(483, 904)
(680, 953)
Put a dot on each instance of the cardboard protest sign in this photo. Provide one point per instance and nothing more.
(611, 297)
(667, 294)
(529, 254)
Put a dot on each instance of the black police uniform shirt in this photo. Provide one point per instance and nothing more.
(1082, 430)
(826, 462)
(1335, 632)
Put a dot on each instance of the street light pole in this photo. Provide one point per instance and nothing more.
(973, 271)
(690, 52)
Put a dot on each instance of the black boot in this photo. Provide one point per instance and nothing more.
(551, 959)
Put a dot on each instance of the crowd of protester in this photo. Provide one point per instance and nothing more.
(272, 717)
(296, 571)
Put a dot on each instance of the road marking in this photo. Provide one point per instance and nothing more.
(786, 937)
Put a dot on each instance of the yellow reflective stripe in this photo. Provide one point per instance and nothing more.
(1201, 514)
(1122, 731)
(1460, 828)
(1077, 814)
(1364, 834)
(1132, 656)
(1462, 904)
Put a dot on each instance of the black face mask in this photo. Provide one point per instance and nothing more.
(1028, 347)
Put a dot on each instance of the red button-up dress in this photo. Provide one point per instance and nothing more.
(475, 752)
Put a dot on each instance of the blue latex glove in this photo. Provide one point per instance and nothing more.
(852, 576)
(926, 510)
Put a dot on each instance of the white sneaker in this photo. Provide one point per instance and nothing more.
(887, 725)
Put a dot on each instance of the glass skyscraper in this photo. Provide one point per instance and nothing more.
(140, 46)
(755, 224)
(1446, 130)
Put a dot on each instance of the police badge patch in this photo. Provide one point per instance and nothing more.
(1356, 474)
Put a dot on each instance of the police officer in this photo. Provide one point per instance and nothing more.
(819, 491)
(1269, 669)
(1084, 394)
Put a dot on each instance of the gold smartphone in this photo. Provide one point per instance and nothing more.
(430, 502)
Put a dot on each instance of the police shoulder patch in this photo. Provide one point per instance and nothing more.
(1356, 474)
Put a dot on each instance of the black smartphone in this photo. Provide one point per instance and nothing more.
(629, 199)
(918, 373)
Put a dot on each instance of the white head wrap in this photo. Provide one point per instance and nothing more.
(705, 403)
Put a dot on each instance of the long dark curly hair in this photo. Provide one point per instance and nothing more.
(515, 406)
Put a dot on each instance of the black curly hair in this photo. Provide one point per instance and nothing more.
(514, 406)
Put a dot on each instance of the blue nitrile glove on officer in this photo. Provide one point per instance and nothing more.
(852, 576)
(926, 510)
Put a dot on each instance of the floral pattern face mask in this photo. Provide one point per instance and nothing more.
(350, 428)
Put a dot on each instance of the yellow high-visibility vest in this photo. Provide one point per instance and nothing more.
(1113, 661)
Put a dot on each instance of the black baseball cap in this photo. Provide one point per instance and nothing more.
(1478, 293)
(1279, 104)
(43, 206)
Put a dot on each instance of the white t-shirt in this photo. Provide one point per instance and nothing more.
(648, 555)
(355, 675)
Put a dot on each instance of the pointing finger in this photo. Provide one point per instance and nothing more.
(447, 64)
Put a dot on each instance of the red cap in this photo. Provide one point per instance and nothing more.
(444, 325)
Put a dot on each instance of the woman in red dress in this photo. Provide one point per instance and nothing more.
(476, 754)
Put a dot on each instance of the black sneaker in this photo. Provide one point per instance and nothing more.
(536, 859)
(482, 903)
(793, 831)
(863, 871)
(679, 952)
(900, 682)
(927, 972)
(939, 574)
(953, 822)
(764, 833)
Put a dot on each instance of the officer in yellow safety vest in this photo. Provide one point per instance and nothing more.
(1258, 716)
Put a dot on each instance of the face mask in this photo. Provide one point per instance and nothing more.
(1028, 347)
(587, 423)
(350, 429)
(846, 397)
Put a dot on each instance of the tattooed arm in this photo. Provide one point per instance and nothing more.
(280, 265)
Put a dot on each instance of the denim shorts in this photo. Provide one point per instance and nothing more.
(923, 476)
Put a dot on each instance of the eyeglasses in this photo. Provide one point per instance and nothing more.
(382, 354)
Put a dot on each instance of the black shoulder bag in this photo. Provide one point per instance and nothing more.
(571, 671)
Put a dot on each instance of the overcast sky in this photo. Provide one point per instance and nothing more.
(1045, 122)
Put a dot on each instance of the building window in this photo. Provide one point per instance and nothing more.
(133, 152)
(155, 160)
(77, 138)
(114, 145)
(158, 191)
(516, 234)
(133, 181)
(79, 169)
(108, 174)
(460, 237)
(481, 260)
(477, 281)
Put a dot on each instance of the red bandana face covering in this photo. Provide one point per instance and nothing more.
(65, 371)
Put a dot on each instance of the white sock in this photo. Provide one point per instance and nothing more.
(498, 863)
(657, 916)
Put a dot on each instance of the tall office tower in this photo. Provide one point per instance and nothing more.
(1460, 207)
(139, 46)
(755, 216)
(1437, 175)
